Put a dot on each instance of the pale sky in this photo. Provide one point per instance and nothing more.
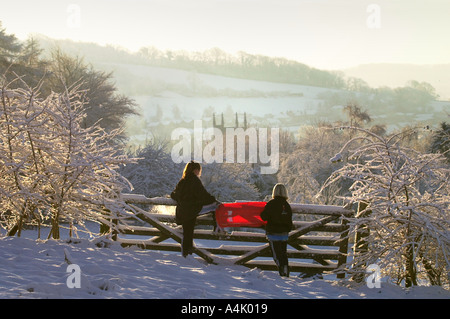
(326, 34)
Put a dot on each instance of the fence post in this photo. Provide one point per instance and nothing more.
(361, 245)
(343, 248)
(114, 231)
(105, 229)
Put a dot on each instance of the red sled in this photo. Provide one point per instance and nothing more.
(240, 214)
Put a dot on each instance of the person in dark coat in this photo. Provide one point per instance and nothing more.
(191, 196)
(278, 215)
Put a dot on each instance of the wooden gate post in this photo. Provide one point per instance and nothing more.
(361, 245)
(343, 248)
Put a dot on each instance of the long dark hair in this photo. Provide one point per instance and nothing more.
(190, 168)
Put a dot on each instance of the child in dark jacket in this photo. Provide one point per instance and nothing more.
(191, 196)
(278, 215)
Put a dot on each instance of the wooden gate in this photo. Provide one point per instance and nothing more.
(318, 243)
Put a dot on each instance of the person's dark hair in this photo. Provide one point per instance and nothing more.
(190, 168)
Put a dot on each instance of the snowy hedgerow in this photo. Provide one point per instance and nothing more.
(406, 207)
(52, 169)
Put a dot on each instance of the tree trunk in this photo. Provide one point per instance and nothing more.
(411, 273)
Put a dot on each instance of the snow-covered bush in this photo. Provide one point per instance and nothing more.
(407, 212)
(154, 174)
(52, 169)
(229, 182)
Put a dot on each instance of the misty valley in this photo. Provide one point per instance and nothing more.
(178, 102)
(173, 88)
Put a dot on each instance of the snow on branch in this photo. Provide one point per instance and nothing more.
(52, 168)
(142, 199)
(408, 201)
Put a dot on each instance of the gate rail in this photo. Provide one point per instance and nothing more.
(315, 245)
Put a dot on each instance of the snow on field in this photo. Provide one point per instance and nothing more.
(305, 97)
(38, 269)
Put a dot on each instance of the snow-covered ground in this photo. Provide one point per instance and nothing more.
(38, 269)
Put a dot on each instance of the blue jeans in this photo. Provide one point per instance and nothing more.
(279, 252)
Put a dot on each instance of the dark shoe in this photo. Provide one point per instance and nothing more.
(284, 271)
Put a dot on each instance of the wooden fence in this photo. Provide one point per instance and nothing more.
(318, 243)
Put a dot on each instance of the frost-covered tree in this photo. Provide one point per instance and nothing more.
(103, 105)
(307, 166)
(154, 174)
(441, 141)
(406, 207)
(9, 47)
(229, 182)
(357, 116)
(52, 168)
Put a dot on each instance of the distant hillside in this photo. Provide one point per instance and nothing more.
(213, 61)
(172, 89)
(397, 75)
(259, 67)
